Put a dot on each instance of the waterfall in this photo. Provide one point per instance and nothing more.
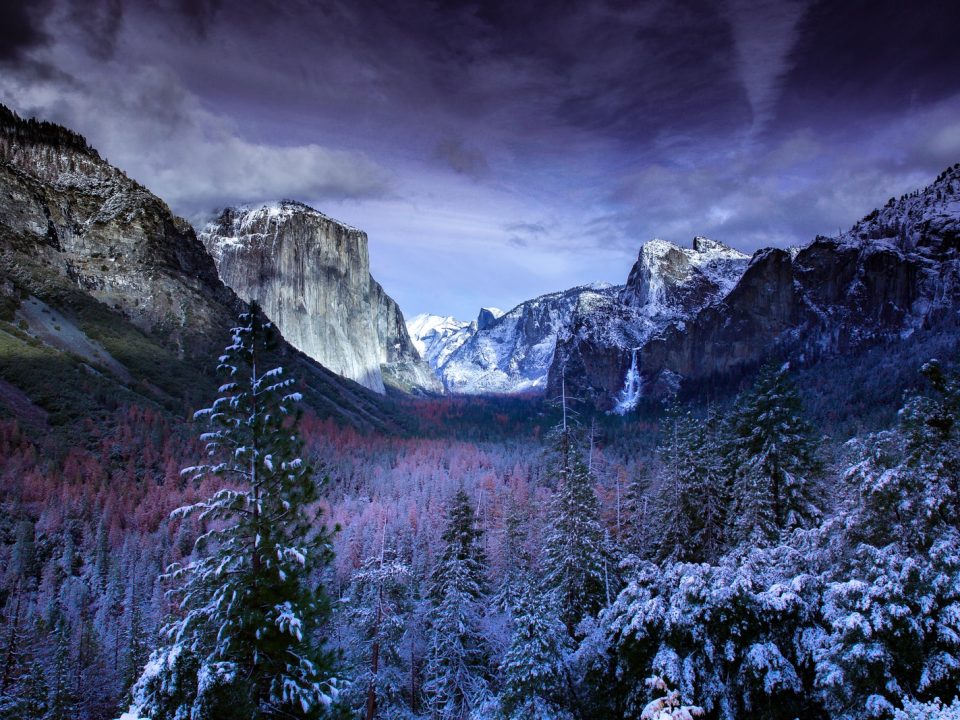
(630, 394)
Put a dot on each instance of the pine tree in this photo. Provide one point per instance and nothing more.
(457, 663)
(691, 501)
(376, 608)
(62, 703)
(576, 562)
(772, 460)
(637, 512)
(514, 559)
(534, 674)
(245, 642)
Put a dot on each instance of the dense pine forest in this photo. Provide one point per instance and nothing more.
(743, 558)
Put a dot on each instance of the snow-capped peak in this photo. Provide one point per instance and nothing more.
(437, 336)
(668, 278)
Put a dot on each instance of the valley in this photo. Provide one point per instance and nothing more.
(737, 473)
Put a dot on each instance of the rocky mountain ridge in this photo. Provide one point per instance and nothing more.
(518, 352)
(894, 272)
(106, 297)
(708, 312)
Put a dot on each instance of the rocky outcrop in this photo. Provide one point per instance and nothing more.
(311, 275)
(892, 273)
(487, 317)
(437, 337)
(667, 284)
(64, 208)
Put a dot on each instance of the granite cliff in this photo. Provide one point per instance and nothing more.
(311, 275)
(893, 273)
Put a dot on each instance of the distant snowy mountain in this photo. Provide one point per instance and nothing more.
(512, 352)
(436, 337)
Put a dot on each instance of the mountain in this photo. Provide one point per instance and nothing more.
(108, 298)
(709, 314)
(521, 350)
(667, 284)
(311, 275)
(436, 336)
(510, 353)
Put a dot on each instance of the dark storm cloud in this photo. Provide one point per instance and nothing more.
(560, 135)
(21, 28)
(199, 15)
(860, 57)
(98, 23)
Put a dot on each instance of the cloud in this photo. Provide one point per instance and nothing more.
(803, 184)
(764, 33)
(461, 158)
(498, 149)
(148, 124)
(22, 27)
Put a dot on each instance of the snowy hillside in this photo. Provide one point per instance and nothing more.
(512, 353)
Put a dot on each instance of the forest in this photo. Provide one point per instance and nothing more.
(743, 558)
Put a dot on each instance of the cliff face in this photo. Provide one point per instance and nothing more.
(65, 209)
(667, 284)
(894, 272)
(311, 275)
(106, 297)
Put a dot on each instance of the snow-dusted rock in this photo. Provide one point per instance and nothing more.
(436, 336)
(311, 275)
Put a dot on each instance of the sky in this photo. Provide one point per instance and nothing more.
(495, 151)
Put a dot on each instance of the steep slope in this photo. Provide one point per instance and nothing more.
(894, 272)
(106, 297)
(311, 274)
(667, 284)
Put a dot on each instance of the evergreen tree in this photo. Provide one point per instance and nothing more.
(771, 460)
(245, 643)
(534, 673)
(62, 703)
(514, 559)
(638, 509)
(457, 662)
(376, 608)
(576, 562)
(691, 501)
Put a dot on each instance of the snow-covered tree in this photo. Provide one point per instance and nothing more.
(690, 508)
(534, 672)
(376, 606)
(245, 642)
(576, 564)
(935, 710)
(772, 460)
(457, 658)
(909, 480)
(514, 560)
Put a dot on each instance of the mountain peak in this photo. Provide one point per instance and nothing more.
(488, 316)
